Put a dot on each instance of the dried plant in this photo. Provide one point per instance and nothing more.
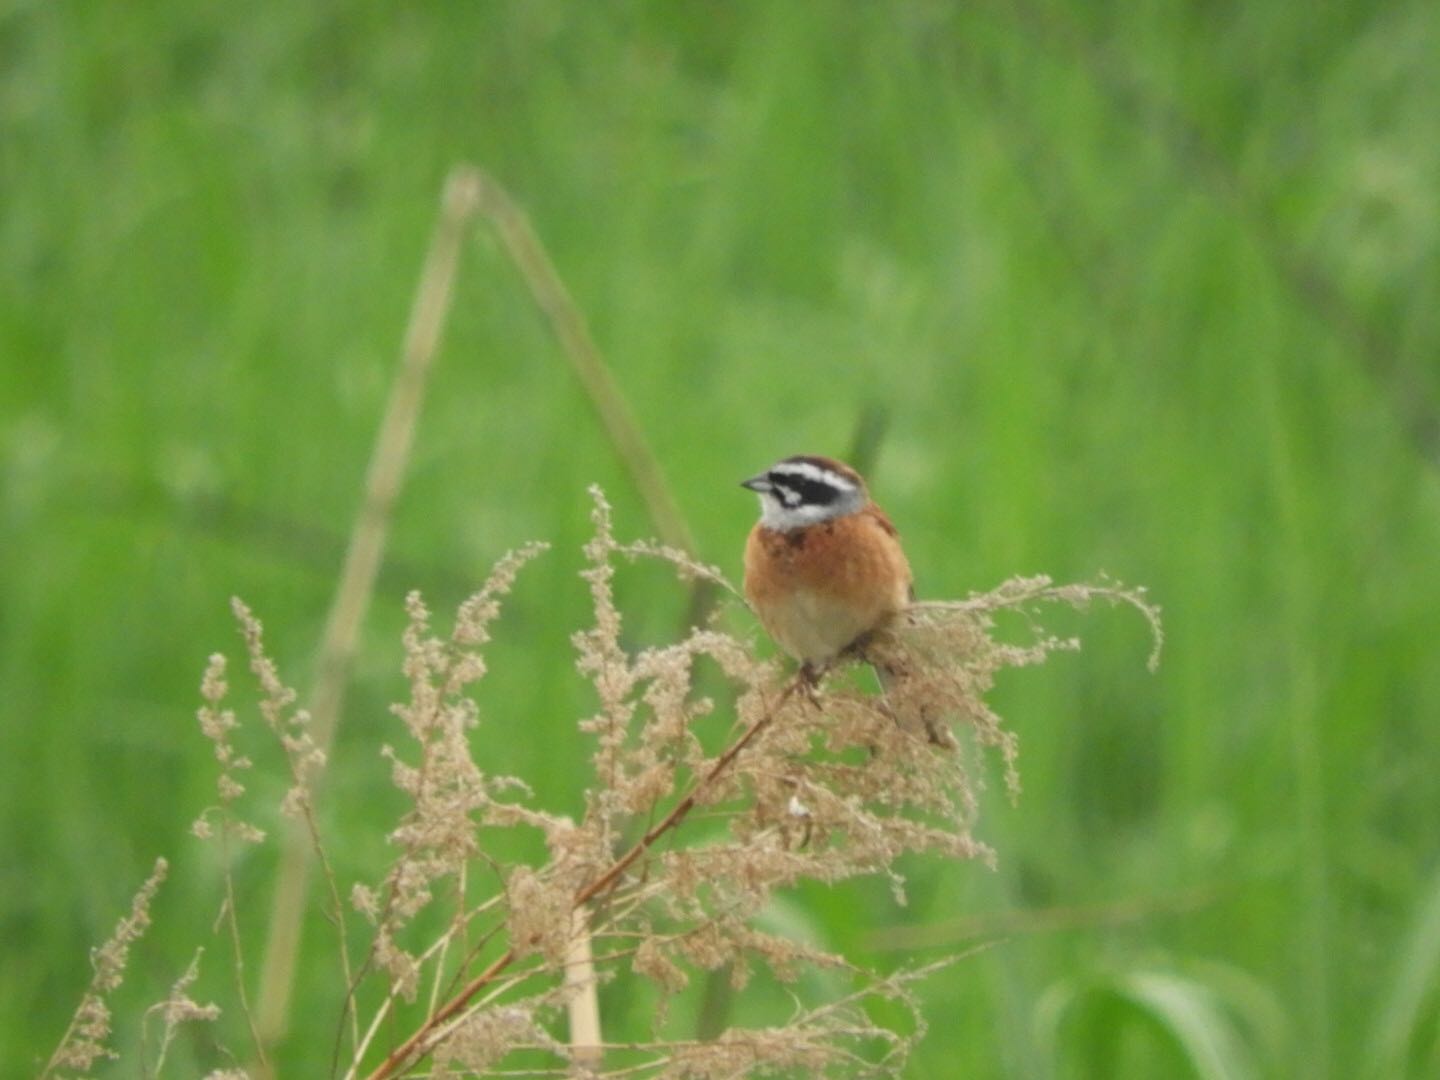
(701, 808)
(179, 1008)
(85, 1040)
(818, 785)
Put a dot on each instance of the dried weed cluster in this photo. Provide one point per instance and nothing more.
(700, 808)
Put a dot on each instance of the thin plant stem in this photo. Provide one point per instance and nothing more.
(549, 293)
(357, 578)
(949, 932)
(232, 924)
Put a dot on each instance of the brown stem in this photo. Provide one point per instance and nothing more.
(677, 813)
(411, 1047)
(414, 1047)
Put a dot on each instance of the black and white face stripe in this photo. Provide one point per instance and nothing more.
(805, 490)
(790, 496)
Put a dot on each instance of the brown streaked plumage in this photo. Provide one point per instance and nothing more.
(824, 565)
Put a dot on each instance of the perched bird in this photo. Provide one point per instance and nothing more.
(823, 566)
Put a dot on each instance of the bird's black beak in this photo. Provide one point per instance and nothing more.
(758, 483)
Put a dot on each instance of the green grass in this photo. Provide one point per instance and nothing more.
(1141, 290)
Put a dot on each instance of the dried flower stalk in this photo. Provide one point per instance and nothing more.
(821, 786)
(86, 1039)
(698, 814)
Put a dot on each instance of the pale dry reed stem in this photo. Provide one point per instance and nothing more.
(568, 323)
(583, 1006)
(362, 563)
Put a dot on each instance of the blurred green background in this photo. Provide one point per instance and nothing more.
(1140, 289)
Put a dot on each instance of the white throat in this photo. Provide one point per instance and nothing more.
(774, 514)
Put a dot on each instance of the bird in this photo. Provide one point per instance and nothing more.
(824, 568)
